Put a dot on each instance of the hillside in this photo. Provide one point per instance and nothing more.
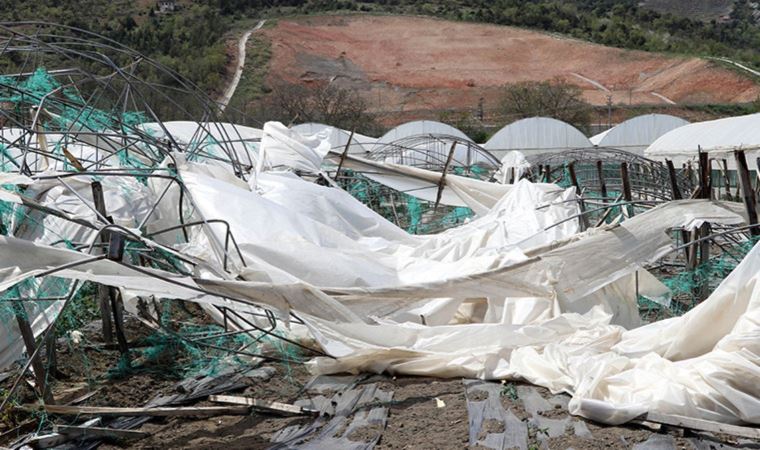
(410, 66)
(199, 40)
(694, 9)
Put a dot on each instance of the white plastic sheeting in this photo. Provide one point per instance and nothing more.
(717, 137)
(504, 296)
(273, 233)
(513, 166)
(128, 202)
(546, 319)
(535, 136)
(282, 147)
(636, 134)
(48, 154)
(703, 364)
(360, 143)
(480, 196)
(214, 139)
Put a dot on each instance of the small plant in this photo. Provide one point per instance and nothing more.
(510, 391)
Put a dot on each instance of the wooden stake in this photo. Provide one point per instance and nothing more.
(442, 181)
(704, 425)
(343, 155)
(748, 194)
(704, 256)
(675, 191)
(726, 178)
(202, 411)
(705, 183)
(99, 432)
(103, 291)
(116, 253)
(28, 337)
(602, 183)
(271, 407)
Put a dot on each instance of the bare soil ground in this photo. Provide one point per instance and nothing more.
(423, 413)
(404, 64)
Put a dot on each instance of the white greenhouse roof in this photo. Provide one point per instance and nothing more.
(713, 136)
(636, 134)
(536, 135)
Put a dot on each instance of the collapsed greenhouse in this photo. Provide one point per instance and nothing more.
(627, 286)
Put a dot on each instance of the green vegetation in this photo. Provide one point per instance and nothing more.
(322, 103)
(556, 98)
(192, 40)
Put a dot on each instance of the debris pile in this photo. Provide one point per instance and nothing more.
(205, 254)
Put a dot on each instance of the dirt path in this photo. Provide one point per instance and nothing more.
(230, 91)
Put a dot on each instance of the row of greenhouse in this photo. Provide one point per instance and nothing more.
(655, 136)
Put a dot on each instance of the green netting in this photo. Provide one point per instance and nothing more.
(566, 181)
(408, 212)
(74, 111)
(189, 350)
(414, 208)
(6, 160)
(688, 286)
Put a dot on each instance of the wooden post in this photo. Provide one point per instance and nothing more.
(28, 337)
(574, 181)
(726, 178)
(705, 184)
(547, 174)
(676, 194)
(116, 253)
(704, 256)
(602, 183)
(627, 195)
(675, 191)
(343, 155)
(442, 181)
(748, 195)
(103, 291)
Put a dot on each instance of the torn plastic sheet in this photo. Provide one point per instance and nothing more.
(480, 196)
(282, 147)
(578, 348)
(270, 233)
(513, 165)
(518, 290)
(703, 364)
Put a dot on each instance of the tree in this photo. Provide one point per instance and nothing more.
(557, 99)
(324, 103)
